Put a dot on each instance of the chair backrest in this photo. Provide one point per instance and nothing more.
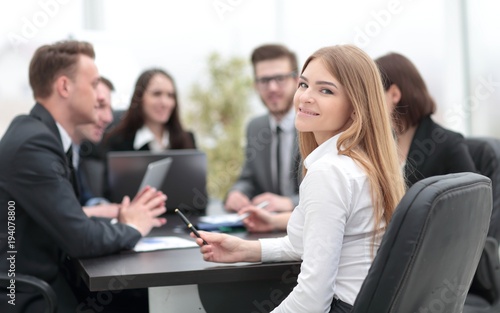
(486, 297)
(485, 151)
(431, 248)
(486, 155)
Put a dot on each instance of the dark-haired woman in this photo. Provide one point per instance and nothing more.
(152, 122)
(425, 148)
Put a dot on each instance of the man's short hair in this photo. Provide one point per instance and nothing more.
(107, 82)
(52, 61)
(272, 52)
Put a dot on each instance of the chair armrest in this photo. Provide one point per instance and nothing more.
(487, 279)
(39, 285)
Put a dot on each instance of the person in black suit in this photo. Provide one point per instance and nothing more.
(84, 143)
(38, 181)
(152, 121)
(425, 148)
(271, 169)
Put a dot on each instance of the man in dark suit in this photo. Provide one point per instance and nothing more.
(87, 136)
(38, 181)
(271, 169)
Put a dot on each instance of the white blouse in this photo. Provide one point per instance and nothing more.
(330, 230)
(145, 136)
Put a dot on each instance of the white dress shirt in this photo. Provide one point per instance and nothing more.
(145, 136)
(330, 230)
(287, 125)
(76, 155)
(65, 138)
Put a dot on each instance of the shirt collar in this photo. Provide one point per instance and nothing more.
(329, 146)
(144, 136)
(287, 123)
(65, 139)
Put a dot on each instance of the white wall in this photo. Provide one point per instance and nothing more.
(178, 35)
(484, 84)
(25, 25)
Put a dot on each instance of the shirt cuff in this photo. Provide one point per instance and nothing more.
(134, 227)
(96, 201)
(115, 220)
(270, 249)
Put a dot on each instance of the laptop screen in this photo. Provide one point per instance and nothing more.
(184, 185)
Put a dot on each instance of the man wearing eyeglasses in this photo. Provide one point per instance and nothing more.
(271, 170)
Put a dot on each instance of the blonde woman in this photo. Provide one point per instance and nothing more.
(352, 184)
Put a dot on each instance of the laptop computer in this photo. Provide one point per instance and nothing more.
(185, 184)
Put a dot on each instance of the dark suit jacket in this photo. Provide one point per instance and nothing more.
(435, 150)
(119, 143)
(49, 221)
(255, 177)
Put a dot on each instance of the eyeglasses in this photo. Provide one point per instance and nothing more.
(263, 82)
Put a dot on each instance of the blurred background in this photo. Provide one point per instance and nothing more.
(454, 43)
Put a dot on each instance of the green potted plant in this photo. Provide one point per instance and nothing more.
(218, 112)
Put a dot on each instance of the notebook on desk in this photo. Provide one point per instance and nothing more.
(184, 185)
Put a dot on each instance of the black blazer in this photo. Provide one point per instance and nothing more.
(49, 221)
(118, 142)
(435, 150)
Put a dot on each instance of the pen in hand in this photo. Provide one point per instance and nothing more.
(261, 205)
(190, 226)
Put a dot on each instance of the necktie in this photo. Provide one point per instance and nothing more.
(278, 159)
(72, 172)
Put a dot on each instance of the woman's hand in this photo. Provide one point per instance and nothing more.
(223, 248)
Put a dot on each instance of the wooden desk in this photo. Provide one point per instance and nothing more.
(220, 287)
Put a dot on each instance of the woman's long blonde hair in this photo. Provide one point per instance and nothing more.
(368, 140)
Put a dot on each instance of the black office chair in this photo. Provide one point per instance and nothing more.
(488, 274)
(486, 155)
(24, 282)
(431, 248)
(484, 294)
